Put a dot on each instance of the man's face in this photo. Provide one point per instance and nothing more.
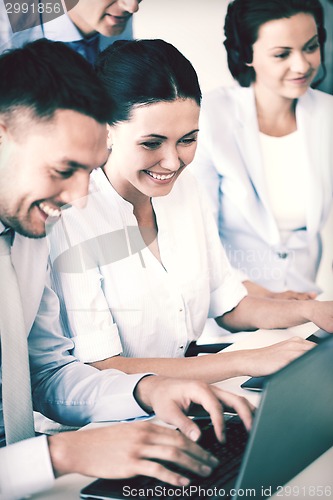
(108, 17)
(46, 164)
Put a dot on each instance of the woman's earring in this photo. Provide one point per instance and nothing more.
(109, 139)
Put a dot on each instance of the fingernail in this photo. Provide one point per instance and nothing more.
(205, 470)
(213, 460)
(184, 481)
(194, 435)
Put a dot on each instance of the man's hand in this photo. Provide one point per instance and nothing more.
(171, 399)
(128, 449)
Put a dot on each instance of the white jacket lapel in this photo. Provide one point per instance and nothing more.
(246, 135)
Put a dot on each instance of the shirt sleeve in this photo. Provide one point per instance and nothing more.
(67, 390)
(86, 315)
(25, 468)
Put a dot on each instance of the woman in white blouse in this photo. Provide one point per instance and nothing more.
(265, 152)
(141, 266)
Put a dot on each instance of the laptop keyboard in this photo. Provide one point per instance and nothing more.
(229, 455)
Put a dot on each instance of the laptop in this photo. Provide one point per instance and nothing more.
(288, 433)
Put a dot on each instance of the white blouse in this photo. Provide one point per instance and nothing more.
(116, 296)
(287, 182)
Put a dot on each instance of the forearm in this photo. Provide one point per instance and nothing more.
(77, 394)
(254, 312)
(211, 368)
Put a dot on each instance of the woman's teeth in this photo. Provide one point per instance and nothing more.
(160, 177)
(51, 212)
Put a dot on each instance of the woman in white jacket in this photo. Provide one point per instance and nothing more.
(265, 147)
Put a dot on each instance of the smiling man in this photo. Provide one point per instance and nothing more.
(87, 26)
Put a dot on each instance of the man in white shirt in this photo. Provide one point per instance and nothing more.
(52, 135)
(87, 26)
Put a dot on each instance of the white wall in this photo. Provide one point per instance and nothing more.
(195, 27)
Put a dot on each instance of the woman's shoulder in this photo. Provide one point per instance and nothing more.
(226, 96)
(318, 98)
(225, 105)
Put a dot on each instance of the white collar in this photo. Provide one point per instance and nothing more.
(62, 29)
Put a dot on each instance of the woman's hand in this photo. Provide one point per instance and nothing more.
(290, 295)
(267, 360)
(320, 313)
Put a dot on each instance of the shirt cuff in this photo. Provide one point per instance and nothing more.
(25, 468)
(97, 345)
(240, 275)
(126, 406)
(227, 296)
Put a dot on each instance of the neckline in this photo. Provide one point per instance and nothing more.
(273, 137)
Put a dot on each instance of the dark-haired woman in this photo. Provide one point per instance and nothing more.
(141, 267)
(265, 149)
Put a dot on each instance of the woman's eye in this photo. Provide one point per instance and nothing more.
(283, 55)
(64, 174)
(312, 48)
(188, 141)
(151, 145)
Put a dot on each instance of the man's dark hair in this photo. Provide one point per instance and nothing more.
(45, 76)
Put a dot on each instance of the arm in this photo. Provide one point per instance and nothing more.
(66, 390)
(126, 450)
(253, 312)
(123, 450)
(84, 383)
(215, 367)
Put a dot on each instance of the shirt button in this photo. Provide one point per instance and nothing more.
(180, 310)
(181, 347)
(282, 255)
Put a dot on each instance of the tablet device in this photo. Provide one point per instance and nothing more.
(254, 384)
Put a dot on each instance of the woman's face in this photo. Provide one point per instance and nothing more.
(286, 56)
(152, 148)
